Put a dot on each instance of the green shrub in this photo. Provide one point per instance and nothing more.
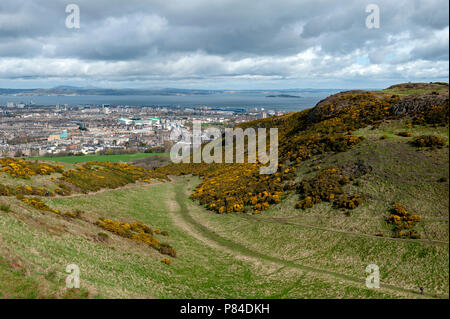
(4, 190)
(348, 201)
(103, 235)
(166, 249)
(5, 208)
(74, 214)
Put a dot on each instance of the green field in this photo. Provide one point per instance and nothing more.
(93, 158)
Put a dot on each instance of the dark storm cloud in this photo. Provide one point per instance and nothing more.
(206, 39)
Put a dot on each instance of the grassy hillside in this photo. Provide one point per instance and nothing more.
(211, 262)
(136, 233)
(406, 89)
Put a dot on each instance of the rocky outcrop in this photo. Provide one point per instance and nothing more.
(418, 103)
(401, 96)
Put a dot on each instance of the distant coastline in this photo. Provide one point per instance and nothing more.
(217, 99)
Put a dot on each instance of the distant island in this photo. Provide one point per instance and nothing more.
(285, 96)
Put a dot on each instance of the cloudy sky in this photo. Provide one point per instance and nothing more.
(233, 44)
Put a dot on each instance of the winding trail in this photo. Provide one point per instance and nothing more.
(210, 237)
(182, 219)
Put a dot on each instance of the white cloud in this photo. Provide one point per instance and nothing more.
(228, 40)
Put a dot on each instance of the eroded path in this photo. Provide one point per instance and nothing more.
(184, 220)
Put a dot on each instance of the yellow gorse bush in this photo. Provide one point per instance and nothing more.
(322, 187)
(25, 169)
(93, 176)
(437, 115)
(430, 141)
(37, 203)
(403, 222)
(136, 231)
(24, 190)
(166, 261)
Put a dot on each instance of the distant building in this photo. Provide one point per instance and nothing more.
(125, 121)
(54, 137)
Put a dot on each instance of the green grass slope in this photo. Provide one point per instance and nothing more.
(210, 263)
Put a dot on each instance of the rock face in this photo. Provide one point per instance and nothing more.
(417, 103)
